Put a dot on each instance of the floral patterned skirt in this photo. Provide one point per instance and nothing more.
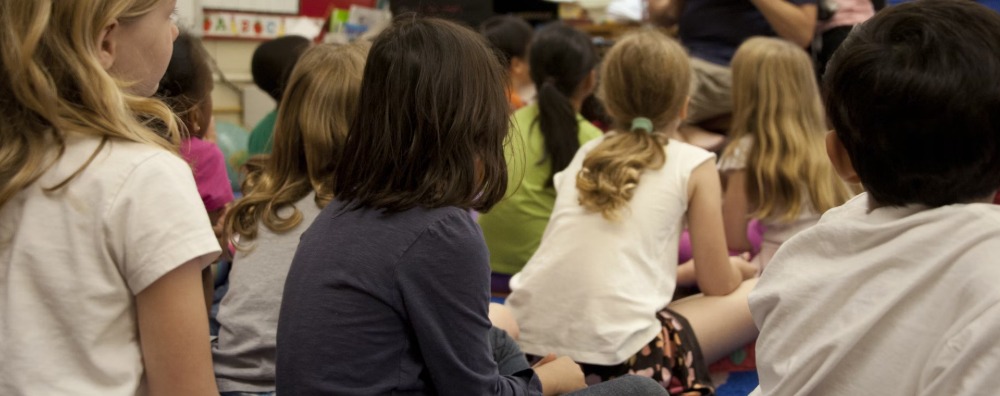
(673, 358)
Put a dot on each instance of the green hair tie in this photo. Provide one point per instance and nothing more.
(642, 123)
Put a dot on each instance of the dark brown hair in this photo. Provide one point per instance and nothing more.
(187, 84)
(431, 123)
(913, 95)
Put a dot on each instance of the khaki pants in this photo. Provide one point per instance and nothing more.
(711, 91)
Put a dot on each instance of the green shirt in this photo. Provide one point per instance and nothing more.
(260, 137)
(513, 228)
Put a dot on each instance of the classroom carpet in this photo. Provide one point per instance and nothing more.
(739, 383)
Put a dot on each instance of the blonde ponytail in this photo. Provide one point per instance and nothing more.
(645, 76)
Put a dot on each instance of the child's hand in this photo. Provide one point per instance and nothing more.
(559, 375)
(747, 269)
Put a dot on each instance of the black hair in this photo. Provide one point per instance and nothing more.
(914, 95)
(509, 34)
(273, 62)
(431, 126)
(560, 59)
(187, 83)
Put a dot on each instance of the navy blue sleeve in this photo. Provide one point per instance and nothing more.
(443, 279)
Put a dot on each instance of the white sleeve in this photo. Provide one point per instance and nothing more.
(576, 164)
(968, 362)
(157, 222)
(737, 159)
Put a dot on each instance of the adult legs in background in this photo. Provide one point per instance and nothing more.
(722, 324)
(711, 105)
(711, 91)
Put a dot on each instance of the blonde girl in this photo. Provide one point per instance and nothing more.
(284, 193)
(102, 232)
(599, 286)
(776, 168)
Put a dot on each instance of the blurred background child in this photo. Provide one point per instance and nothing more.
(271, 65)
(775, 169)
(544, 137)
(187, 89)
(511, 36)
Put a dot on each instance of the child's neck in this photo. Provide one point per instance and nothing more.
(873, 204)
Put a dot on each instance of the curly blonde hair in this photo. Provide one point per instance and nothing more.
(313, 120)
(52, 84)
(776, 101)
(645, 75)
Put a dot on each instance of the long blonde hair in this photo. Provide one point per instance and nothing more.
(313, 120)
(776, 101)
(645, 75)
(52, 83)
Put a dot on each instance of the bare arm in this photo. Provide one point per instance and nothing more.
(685, 274)
(559, 375)
(735, 211)
(173, 332)
(795, 23)
(714, 272)
(665, 12)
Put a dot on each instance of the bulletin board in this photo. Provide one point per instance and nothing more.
(268, 19)
(267, 6)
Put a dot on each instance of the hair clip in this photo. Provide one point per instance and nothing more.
(642, 123)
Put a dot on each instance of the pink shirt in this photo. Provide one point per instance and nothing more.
(210, 175)
(849, 13)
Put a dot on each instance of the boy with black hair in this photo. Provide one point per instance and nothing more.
(895, 292)
(271, 65)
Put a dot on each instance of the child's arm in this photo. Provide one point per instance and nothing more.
(665, 12)
(174, 334)
(715, 273)
(736, 211)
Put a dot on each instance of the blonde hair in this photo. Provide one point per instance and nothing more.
(645, 75)
(313, 120)
(52, 83)
(776, 101)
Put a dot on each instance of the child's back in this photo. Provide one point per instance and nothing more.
(895, 291)
(892, 301)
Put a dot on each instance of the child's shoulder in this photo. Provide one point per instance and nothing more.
(686, 154)
(113, 159)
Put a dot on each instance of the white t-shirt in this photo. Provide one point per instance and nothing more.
(72, 260)
(592, 289)
(894, 301)
(776, 232)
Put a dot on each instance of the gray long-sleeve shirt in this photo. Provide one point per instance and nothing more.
(390, 304)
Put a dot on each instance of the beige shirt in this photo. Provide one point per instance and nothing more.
(72, 261)
(892, 301)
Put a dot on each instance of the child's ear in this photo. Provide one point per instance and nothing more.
(592, 80)
(588, 84)
(683, 115)
(518, 67)
(107, 44)
(840, 159)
